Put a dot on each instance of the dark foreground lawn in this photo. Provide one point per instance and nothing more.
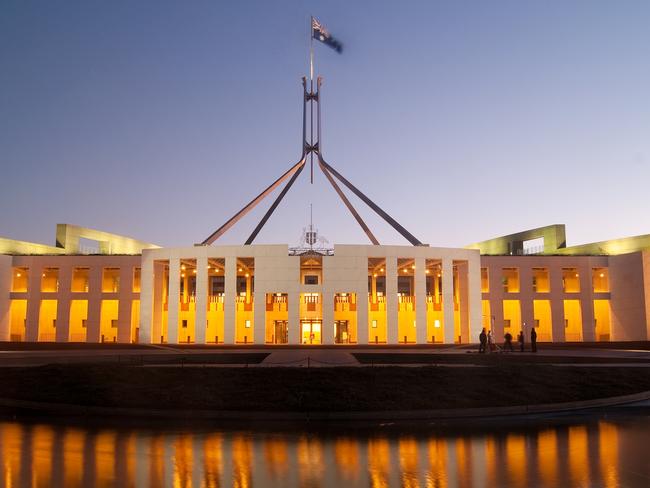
(317, 389)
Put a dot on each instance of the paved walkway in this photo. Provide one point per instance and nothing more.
(297, 356)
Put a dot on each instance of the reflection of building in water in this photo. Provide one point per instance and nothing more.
(213, 460)
(379, 462)
(310, 461)
(408, 462)
(577, 455)
(438, 462)
(242, 461)
(346, 456)
(276, 457)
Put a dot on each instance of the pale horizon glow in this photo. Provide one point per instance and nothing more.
(463, 120)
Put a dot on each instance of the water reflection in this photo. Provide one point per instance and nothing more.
(594, 452)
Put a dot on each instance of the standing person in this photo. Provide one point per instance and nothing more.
(482, 337)
(522, 339)
(533, 340)
(507, 343)
(490, 341)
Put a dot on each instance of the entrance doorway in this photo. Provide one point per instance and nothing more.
(341, 332)
(310, 332)
(281, 332)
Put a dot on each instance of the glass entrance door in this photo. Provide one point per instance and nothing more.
(310, 332)
(281, 332)
(341, 332)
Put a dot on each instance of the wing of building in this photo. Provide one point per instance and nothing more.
(95, 286)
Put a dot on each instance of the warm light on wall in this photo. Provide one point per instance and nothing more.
(436, 324)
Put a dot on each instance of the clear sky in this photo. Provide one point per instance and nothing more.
(464, 120)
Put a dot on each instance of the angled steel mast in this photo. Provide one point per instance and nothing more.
(311, 147)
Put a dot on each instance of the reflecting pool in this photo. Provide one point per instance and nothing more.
(594, 451)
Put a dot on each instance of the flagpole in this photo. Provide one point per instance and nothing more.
(311, 92)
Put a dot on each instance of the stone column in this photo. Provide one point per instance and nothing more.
(125, 297)
(327, 327)
(392, 305)
(448, 300)
(259, 314)
(475, 297)
(362, 314)
(159, 298)
(556, 296)
(63, 304)
(294, 317)
(587, 302)
(201, 315)
(173, 301)
(230, 292)
(93, 323)
(146, 299)
(6, 276)
(33, 302)
(463, 301)
(526, 301)
(420, 301)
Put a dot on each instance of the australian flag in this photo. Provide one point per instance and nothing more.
(320, 33)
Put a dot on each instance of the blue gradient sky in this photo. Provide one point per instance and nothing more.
(464, 120)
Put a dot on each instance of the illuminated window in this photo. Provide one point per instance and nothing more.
(541, 282)
(600, 280)
(80, 280)
(570, 280)
(19, 279)
(510, 280)
(137, 272)
(111, 280)
(485, 282)
(50, 280)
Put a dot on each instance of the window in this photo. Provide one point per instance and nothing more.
(84, 322)
(541, 282)
(311, 279)
(80, 280)
(19, 279)
(506, 323)
(248, 324)
(50, 280)
(136, 280)
(113, 324)
(600, 280)
(184, 323)
(111, 280)
(485, 283)
(510, 280)
(374, 324)
(570, 280)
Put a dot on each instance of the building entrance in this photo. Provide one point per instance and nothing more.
(310, 332)
(341, 332)
(281, 332)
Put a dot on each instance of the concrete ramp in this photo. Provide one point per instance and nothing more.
(304, 357)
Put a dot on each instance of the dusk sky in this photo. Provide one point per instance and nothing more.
(463, 120)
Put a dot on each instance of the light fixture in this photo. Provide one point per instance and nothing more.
(183, 267)
(413, 266)
(406, 270)
(576, 275)
(18, 275)
(602, 275)
(194, 271)
(182, 275)
(240, 270)
(247, 275)
(375, 275)
(381, 270)
(439, 275)
(426, 271)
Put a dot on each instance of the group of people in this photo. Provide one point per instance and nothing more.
(487, 343)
